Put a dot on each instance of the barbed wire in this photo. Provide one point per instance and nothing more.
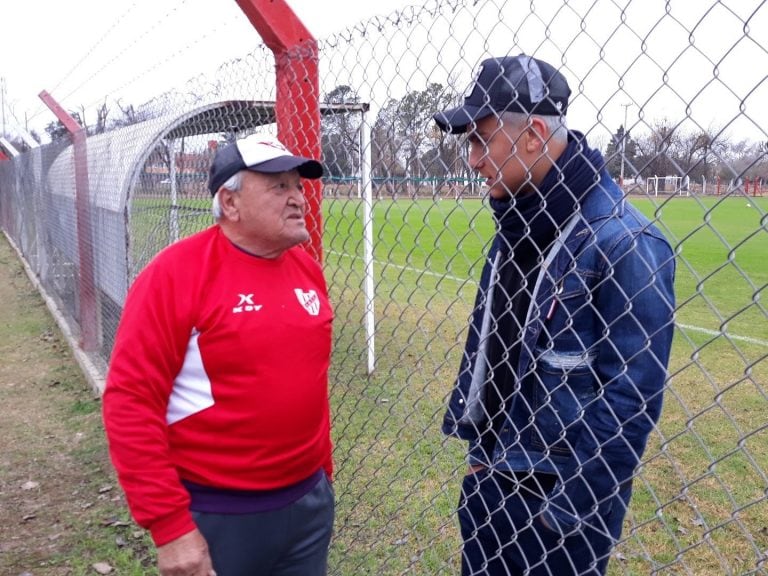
(96, 44)
(118, 55)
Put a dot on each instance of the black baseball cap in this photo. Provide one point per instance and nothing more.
(258, 153)
(509, 84)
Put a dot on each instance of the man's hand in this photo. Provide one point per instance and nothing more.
(185, 556)
(475, 468)
(545, 523)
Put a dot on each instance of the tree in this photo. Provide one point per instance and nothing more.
(621, 142)
(694, 149)
(405, 135)
(337, 156)
(129, 116)
(56, 130)
(416, 126)
(745, 159)
(384, 142)
(102, 112)
(653, 155)
(340, 131)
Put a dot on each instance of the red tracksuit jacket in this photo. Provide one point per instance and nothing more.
(219, 375)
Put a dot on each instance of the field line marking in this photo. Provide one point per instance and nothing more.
(724, 334)
(468, 283)
(408, 268)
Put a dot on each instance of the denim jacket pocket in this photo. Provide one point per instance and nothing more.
(570, 320)
(563, 385)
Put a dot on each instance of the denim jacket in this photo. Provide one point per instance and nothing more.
(593, 358)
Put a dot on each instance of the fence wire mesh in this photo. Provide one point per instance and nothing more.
(673, 95)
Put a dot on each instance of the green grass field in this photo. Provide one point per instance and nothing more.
(700, 500)
(700, 504)
(721, 245)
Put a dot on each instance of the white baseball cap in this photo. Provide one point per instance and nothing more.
(258, 153)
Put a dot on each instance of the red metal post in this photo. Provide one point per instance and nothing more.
(86, 277)
(297, 108)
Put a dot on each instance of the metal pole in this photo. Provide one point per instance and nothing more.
(297, 106)
(85, 248)
(174, 220)
(2, 102)
(623, 145)
(365, 177)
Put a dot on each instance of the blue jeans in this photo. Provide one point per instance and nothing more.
(503, 533)
(291, 541)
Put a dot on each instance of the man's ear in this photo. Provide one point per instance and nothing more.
(228, 204)
(537, 134)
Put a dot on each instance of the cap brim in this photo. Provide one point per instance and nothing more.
(457, 120)
(307, 168)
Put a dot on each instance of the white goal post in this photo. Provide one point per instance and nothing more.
(667, 184)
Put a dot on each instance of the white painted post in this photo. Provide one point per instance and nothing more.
(174, 219)
(365, 180)
(9, 148)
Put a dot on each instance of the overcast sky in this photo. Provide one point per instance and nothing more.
(80, 50)
(700, 59)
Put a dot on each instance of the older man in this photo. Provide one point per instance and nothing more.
(563, 372)
(216, 403)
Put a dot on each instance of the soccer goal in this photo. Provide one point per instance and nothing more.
(666, 185)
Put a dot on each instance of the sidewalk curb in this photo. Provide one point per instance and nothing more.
(93, 375)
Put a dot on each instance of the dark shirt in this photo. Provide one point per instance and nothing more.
(512, 298)
(220, 501)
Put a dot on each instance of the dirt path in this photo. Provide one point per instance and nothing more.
(61, 512)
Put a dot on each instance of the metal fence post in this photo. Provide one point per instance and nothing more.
(297, 107)
(86, 277)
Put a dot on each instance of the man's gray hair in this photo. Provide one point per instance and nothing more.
(235, 183)
(556, 125)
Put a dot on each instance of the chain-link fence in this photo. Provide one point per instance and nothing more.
(672, 93)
